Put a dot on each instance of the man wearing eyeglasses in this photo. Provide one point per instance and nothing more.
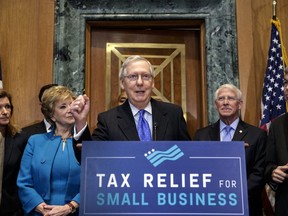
(230, 127)
(165, 120)
(160, 120)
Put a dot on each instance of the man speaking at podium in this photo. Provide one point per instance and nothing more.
(165, 120)
(140, 117)
(230, 127)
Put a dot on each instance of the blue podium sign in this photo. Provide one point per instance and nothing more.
(163, 178)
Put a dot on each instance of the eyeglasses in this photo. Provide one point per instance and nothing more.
(228, 98)
(135, 77)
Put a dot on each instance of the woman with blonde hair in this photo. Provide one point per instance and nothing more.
(49, 177)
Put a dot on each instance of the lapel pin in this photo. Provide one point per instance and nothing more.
(240, 131)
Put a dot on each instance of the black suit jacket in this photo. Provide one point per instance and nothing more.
(277, 155)
(36, 128)
(118, 124)
(14, 147)
(254, 156)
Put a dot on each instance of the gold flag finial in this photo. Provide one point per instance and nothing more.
(274, 3)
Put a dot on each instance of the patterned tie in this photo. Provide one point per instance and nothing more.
(143, 127)
(227, 135)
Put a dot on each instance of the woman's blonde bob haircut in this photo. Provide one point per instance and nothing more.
(51, 96)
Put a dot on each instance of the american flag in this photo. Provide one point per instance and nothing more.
(273, 103)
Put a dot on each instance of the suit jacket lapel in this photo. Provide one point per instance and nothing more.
(41, 127)
(126, 122)
(160, 121)
(240, 131)
(239, 134)
(214, 133)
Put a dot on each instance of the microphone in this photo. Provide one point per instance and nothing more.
(154, 131)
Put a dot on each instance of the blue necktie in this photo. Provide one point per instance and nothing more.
(143, 127)
(227, 134)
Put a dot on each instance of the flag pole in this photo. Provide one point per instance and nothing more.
(274, 3)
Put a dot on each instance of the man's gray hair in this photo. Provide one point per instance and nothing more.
(231, 87)
(134, 58)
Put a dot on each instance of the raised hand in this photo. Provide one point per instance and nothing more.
(80, 108)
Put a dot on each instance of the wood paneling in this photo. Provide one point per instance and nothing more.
(26, 52)
(161, 39)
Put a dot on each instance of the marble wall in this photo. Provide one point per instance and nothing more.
(220, 24)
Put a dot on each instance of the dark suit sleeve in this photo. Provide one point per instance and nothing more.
(100, 133)
(35, 129)
(86, 136)
(256, 163)
(202, 134)
(271, 157)
(183, 132)
(196, 136)
(211, 133)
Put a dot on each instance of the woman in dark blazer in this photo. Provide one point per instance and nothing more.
(12, 146)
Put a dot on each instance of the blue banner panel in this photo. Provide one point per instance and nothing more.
(163, 178)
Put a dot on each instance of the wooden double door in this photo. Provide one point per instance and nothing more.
(176, 50)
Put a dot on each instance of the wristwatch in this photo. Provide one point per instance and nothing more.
(72, 207)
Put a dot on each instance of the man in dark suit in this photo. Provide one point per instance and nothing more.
(228, 102)
(276, 170)
(165, 120)
(119, 123)
(44, 125)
